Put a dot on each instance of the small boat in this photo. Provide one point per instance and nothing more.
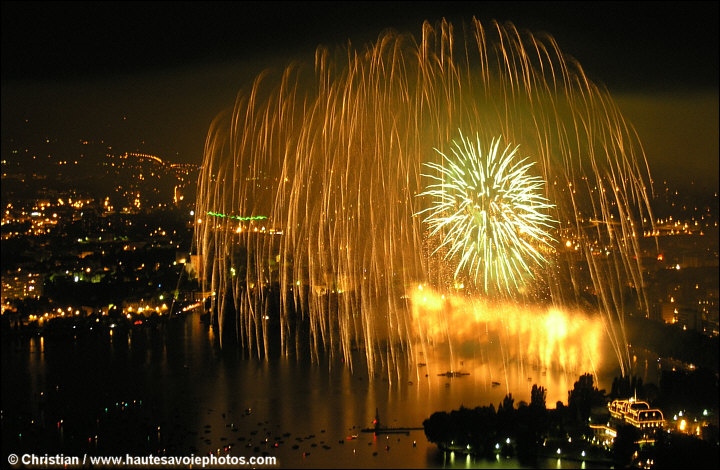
(452, 373)
(495, 384)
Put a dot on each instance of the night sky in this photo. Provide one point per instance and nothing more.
(150, 76)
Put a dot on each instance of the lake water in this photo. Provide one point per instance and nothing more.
(171, 391)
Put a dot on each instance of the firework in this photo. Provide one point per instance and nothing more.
(492, 214)
(333, 156)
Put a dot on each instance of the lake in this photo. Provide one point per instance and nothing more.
(170, 391)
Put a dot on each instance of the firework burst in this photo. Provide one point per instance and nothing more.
(322, 166)
(491, 214)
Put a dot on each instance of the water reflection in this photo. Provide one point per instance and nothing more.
(169, 390)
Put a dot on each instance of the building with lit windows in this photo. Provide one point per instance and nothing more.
(639, 414)
(22, 284)
(629, 411)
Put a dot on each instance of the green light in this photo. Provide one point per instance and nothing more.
(237, 217)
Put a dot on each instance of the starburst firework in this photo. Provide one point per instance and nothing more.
(490, 213)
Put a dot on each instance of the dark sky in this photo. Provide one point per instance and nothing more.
(152, 75)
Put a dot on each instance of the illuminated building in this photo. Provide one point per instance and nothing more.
(639, 414)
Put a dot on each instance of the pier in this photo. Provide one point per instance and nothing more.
(380, 429)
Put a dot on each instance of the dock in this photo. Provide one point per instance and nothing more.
(379, 429)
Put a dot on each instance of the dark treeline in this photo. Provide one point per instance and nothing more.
(531, 430)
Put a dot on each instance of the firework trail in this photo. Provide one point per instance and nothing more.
(333, 155)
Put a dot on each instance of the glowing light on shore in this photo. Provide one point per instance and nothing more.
(238, 217)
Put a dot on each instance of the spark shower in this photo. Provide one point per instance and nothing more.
(319, 226)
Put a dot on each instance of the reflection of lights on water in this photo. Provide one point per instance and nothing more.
(547, 338)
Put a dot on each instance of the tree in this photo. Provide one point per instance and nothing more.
(537, 397)
(583, 397)
(438, 427)
(625, 387)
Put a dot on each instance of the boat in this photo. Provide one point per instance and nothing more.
(452, 373)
